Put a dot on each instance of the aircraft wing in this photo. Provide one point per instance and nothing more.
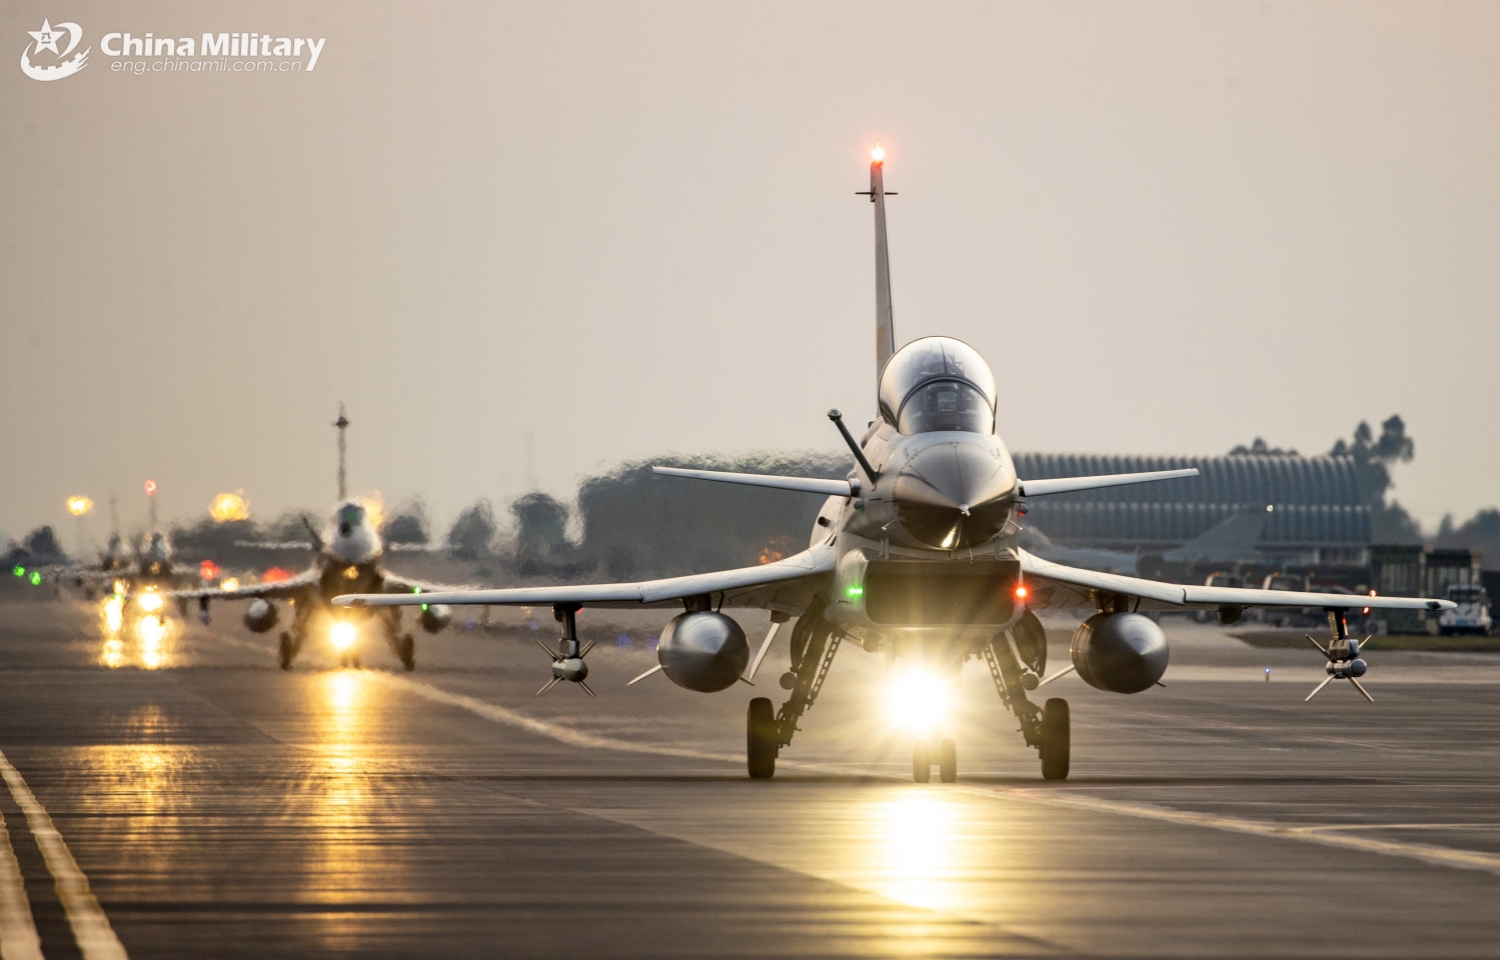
(280, 590)
(1055, 585)
(785, 585)
(94, 576)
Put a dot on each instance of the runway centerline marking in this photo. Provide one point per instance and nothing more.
(96, 938)
(499, 714)
(18, 936)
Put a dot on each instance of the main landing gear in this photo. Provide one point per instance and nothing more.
(1017, 658)
(813, 645)
(291, 640)
(402, 644)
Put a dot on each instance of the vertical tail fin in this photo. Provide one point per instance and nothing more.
(885, 325)
(343, 424)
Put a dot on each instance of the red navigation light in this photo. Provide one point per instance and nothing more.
(276, 575)
(150, 487)
(1021, 592)
(208, 570)
(878, 154)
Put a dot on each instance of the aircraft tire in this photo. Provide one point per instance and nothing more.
(760, 739)
(948, 761)
(287, 652)
(921, 761)
(1056, 739)
(407, 649)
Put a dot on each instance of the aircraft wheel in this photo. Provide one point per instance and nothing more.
(948, 761)
(407, 649)
(287, 652)
(921, 761)
(760, 739)
(1056, 737)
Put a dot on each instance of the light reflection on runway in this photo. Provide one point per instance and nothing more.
(917, 855)
(347, 864)
(136, 638)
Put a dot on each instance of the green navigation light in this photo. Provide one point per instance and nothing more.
(36, 579)
(19, 571)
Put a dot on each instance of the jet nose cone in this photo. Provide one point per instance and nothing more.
(955, 494)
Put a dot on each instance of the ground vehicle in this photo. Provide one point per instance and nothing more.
(1283, 616)
(1472, 615)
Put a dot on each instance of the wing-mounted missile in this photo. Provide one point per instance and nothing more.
(567, 658)
(1343, 655)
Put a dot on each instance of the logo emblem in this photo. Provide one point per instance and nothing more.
(46, 39)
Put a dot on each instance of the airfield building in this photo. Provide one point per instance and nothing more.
(1278, 511)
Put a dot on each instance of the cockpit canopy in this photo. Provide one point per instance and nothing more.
(938, 383)
(350, 516)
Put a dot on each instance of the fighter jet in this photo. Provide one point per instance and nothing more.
(127, 573)
(916, 555)
(348, 557)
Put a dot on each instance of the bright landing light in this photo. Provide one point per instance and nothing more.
(917, 702)
(149, 602)
(342, 635)
(878, 154)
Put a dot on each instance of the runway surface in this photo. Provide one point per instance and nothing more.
(193, 800)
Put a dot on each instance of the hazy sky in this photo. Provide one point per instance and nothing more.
(629, 229)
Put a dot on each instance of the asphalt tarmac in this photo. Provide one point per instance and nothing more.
(189, 799)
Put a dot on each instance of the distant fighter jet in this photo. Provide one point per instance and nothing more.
(349, 557)
(915, 555)
(127, 573)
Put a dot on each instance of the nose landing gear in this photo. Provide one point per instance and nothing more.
(925, 752)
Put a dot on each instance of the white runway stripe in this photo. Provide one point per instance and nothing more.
(96, 938)
(562, 734)
(1328, 837)
(18, 938)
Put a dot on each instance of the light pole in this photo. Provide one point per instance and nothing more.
(78, 506)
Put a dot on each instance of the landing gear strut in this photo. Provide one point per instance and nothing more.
(291, 641)
(813, 645)
(1017, 658)
(402, 644)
